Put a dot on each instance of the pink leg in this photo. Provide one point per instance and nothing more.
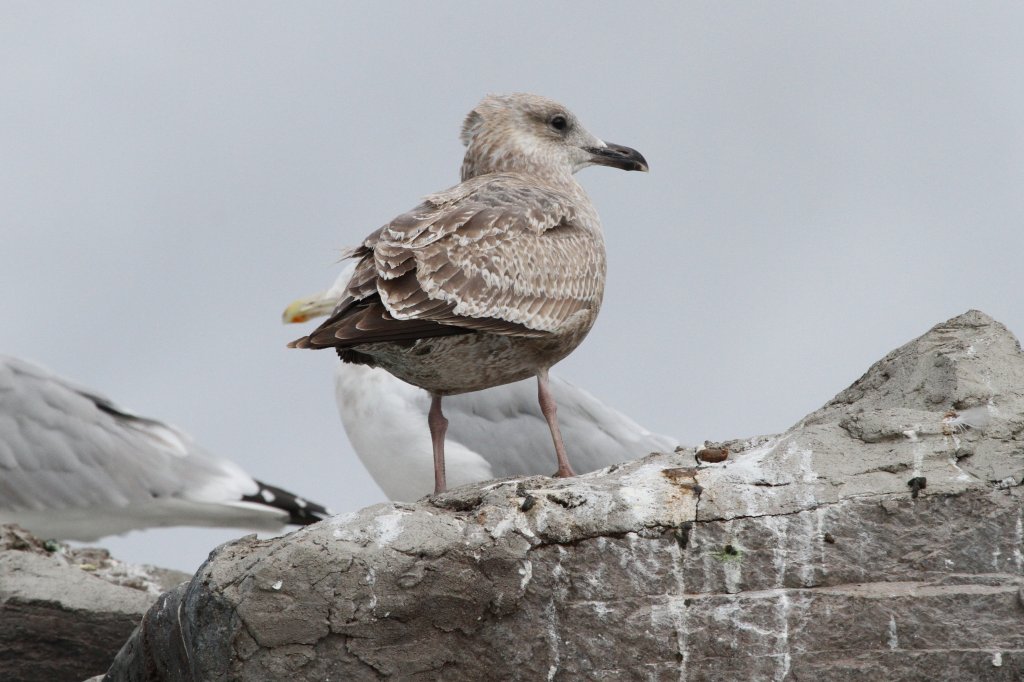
(438, 425)
(550, 411)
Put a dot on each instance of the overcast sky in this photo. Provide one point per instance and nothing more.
(828, 181)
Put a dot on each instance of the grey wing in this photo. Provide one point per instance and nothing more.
(504, 424)
(68, 454)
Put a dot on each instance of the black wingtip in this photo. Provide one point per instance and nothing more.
(301, 512)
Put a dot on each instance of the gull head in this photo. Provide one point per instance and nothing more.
(321, 304)
(309, 308)
(533, 134)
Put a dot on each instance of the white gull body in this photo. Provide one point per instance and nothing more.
(74, 466)
(493, 433)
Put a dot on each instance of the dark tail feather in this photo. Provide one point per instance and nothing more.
(301, 512)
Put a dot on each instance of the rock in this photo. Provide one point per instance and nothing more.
(64, 613)
(803, 555)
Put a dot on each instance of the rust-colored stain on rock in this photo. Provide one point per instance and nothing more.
(683, 477)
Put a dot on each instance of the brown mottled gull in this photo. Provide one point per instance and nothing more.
(493, 280)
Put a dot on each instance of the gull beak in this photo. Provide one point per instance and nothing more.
(304, 309)
(617, 156)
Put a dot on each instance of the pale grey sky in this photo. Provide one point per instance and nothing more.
(828, 180)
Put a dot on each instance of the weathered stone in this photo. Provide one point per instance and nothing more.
(801, 556)
(64, 613)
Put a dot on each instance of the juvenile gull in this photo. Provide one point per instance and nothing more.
(493, 280)
(75, 466)
(493, 433)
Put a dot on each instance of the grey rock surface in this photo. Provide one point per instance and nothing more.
(64, 613)
(880, 538)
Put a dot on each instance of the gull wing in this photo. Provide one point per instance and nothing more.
(497, 254)
(73, 465)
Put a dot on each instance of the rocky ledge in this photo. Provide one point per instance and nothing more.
(879, 538)
(64, 612)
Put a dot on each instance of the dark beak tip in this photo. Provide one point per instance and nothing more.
(619, 156)
(634, 162)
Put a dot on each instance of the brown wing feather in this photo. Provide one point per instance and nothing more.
(503, 248)
(496, 254)
(368, 321)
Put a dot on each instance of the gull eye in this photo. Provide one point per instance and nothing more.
(559, 122)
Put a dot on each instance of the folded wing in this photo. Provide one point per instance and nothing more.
(494, 254)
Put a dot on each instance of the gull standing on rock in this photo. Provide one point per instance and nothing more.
(493, 280)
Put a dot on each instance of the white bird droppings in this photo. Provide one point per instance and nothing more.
(389, 527)
(526, 570)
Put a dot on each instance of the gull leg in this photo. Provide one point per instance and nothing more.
(550, 411)
(438, 425)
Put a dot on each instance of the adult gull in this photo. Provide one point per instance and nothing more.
(493, 433)
(75, 466)
(493, 280)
